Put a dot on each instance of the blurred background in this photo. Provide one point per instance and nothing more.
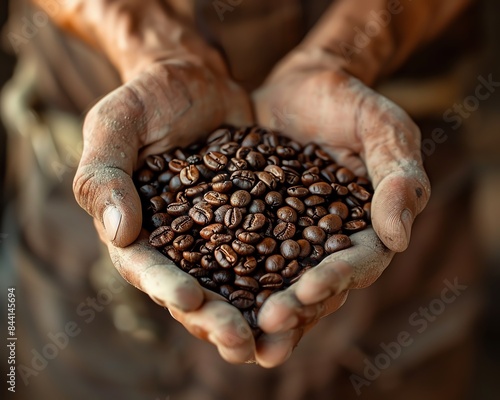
(482, 143)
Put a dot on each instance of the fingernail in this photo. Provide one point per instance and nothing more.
(407, 221)
(112, 219)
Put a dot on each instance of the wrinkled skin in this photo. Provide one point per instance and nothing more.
(173, 103)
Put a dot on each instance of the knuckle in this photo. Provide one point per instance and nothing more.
(84, 188)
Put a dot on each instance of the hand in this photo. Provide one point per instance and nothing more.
(170, 103)
(313, 99)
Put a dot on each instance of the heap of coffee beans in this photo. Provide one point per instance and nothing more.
(249, 211)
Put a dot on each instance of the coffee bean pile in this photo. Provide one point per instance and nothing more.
(249, 212)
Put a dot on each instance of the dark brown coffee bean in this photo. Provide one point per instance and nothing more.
(367, 208)
(243, 179)
(229, 149)
(274, 263)
(271, 139)
(277, 173)
(309, 177)
(160, 219)
(257, 206)
(259, 189)
(242, 249)
(145, 176)
(172, 253)
(209, 262)
(240, 198)
(192, 256)
(243, 152)
(180, 154)
(336, 243)
(251, 140)
(290, 249)
(148, 191)
(321, 154)
(330, 223)
(175, 184)
(161, 236)
(246, 283)
(198, 272)
(273, 160)
(297, 204)
(183, 242)
(328, 176)
(215, 161)
(223, 276)
(305, 248)
(274, 199)
(197, 190)
(186, 266)
(309, 150)
(298, 191)
(357, 212)
(285, 152)
(157, 204)
(189, 175)
(177, 165)
(297, 277)
(215, 198)
(316, 212)
(220, 238)
(169, 197)
(220, 177)
(266, 246)
(291, 269)
(194, 159)
(246, 266)
(267, 178)
(223, 187)
(249, 237)
(233, 217)
(314, 200)
(226, 256)
(226, 290)
(220, 213)
(219, 137)
(352, 201)
(287, 214)
(254, 222)
(201, 213)
(208, 283)
(207, 232)
(271, 281)
(242, 299)
(182, 224)
(155, 163)
(266, 149)
(317, 253)
(261, 298)
(359, 192)
(344, 176)
(305, 221)
(235, 164)
(354, 225)
(256, 160)
(338, 208)
(340, 190)
(284, 231)
(314, 234)
(321, 188)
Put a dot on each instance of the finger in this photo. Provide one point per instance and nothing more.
(148, 270)
(275, 349)
(353, 268)
(394, 163)
(224, 326)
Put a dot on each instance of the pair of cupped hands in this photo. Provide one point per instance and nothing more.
(176, 100)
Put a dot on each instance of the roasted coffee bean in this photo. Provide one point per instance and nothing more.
(314, 200)
(344, 176)
(274, 199)
(352, 201)
(284, 231)
(220, 213)
(309, 177)
(194, 159)
(197, 190)
(210, 230)
(290, 249)
(291, 269)
(271, 281)
(155, 163)
(266, 149)
(187, 266)
(320, 188)
(246, 283)
(198, 272)
(182, 224)
(233, 217)
(267, 178)
(261, 298)
(209, 262)
(243, 179)
(316, 212)
(285, 152)
(246, 266)
(192, 256)
(221, 238)
(172, 253)
(226, 290)
(357, 212)
(358, 192)
(259, 189)
(205, 172)
(183, 242)
(160, 219)
(256, 160)
(243, 152)
(275, 263)
(215, 198)
(208, 283)
(330, 223)
(235, 164)
(276, 172)
(298, 191)
(177, 165)
(169, 197)
(242, 249)
(266, 246)
(175, 184)
(240, 198)
(219, 137)
(249, 237)
(337, 242)
(223, 276)
(321, 154)
(339, 189)
(317, 253)
(339, 208)
(251, 140)
(226, 256)
(305, 221)
(314, 234)
(297, 204)
(273, 160)
(242, 299)
(229, 149)
(367, 208)
(257, 206)
(145, 176)
(161, 236)
(189, 175)
(254, 222)
(305, 248)
(215, 161)
(157, 204)
(287, 214)
(354, 225)
(148, 191)
(201, 213)
(223, 187)
(328, 176)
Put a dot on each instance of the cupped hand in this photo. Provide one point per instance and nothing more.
(312, 98)
(170, 103)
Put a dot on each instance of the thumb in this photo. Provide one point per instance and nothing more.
(103, 185)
